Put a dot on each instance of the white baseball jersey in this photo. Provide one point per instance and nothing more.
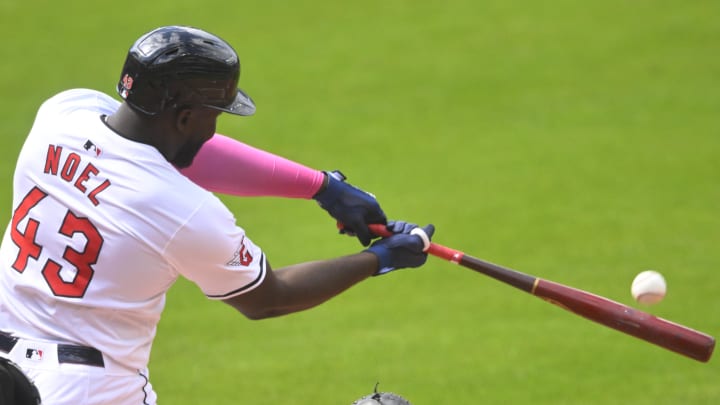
(101, 227)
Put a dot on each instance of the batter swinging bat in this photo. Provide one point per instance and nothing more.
(661, 332)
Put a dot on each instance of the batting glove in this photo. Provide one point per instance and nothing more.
(349, 205)
(405, 248)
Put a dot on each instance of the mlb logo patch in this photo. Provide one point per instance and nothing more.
(34, 354)
(91, 146)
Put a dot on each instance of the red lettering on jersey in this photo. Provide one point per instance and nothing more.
(70, 168)
(53, 157)
(93, 194)
(82, 260)
(25, 241)
(85, 176)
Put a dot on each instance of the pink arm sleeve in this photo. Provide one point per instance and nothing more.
(227, 166)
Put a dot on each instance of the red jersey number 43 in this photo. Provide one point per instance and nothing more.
(30, 249)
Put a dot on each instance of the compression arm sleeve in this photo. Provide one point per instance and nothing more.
(227, 166)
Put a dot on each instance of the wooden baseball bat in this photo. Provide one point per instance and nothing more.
(668, 335)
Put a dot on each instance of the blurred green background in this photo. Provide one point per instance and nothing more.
(575, 141)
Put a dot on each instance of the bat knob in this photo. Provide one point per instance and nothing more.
(423, 235)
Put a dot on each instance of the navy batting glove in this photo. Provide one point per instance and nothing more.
(401, 250)
(352, 207)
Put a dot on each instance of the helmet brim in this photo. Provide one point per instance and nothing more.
(242, 105)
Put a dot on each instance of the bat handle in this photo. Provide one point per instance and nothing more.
(434, 249)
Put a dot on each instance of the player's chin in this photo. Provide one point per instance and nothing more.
(181, 164)
(186, 155)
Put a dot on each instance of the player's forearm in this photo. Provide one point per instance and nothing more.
(227, 166)
(306, 285)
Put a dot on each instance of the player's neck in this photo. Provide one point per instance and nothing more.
(132, 125)
(138, 127)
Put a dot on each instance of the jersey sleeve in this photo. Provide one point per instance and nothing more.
(215, 254)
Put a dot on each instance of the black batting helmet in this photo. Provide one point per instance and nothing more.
(178, 66)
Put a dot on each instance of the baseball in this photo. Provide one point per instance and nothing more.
(648, 287)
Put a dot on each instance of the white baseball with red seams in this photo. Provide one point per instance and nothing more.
(649, 287)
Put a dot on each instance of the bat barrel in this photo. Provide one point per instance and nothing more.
(661, 332)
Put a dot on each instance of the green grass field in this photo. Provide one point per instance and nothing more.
(576, 141)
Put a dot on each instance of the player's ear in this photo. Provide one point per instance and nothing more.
(182, 119)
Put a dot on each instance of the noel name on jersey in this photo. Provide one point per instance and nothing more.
(71, 168)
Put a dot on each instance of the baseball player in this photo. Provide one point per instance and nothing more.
(112, 202)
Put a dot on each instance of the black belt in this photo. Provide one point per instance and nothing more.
(66, 353)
